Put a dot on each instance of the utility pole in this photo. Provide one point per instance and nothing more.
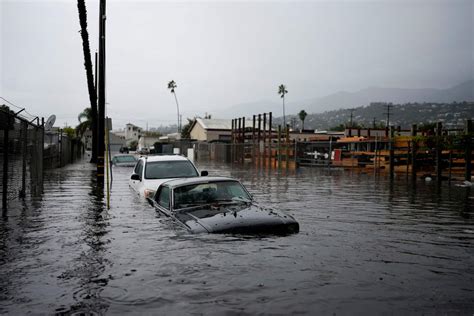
(94, 125)
(350, 123)
(389, 106)
(101, 86)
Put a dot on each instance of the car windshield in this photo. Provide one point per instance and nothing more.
(212, 192)
(169, 169)
(125, 158)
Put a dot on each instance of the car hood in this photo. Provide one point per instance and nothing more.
(243, 218)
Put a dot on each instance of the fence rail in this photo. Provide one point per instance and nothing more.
(26, 150)
(21, 156)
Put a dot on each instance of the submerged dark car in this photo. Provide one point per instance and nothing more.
(124, 160)
(219, 205)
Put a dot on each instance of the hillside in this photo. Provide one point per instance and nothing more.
(458, 93)
(345, 100)
(453, 115)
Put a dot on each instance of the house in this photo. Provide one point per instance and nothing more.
(115, 141)
(211, 129)
(147, 142)
(132, 133)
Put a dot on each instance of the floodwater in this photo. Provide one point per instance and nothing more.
(365, 246)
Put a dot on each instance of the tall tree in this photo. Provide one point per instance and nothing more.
(185, 132)
(85, 119)
(302, 116)
(172, 86)
(282, 91)
(90, 79)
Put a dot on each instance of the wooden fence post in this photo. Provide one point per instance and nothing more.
(439, 144)
(468, 152)
(279, 147)
(414, 149)
(391, 153)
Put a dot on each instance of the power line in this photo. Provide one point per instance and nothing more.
(20, 108)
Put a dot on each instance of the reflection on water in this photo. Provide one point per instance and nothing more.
(365, 245)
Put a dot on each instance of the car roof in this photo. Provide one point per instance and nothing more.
(153, 158)
(196, 180)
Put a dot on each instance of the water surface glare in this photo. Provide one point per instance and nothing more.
(365, 245)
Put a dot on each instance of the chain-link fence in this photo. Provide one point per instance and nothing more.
(21, 156)
(60, 150)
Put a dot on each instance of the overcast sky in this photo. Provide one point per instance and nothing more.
(226, 53)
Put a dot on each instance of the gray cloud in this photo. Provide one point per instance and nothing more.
(225, 53)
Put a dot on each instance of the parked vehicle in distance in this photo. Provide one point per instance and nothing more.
(151, 171)
(143, 151)
(124, 150)
(124, 160)
(219, 205)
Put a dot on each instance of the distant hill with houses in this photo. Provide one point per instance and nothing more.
(344, 100)
(453, 115)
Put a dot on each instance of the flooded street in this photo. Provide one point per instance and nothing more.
(365, 245)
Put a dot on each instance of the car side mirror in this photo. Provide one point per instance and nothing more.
(135, 177)
(204, 173)
(150, 201)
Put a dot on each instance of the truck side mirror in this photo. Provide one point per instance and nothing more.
(135, 177)
(204, 173)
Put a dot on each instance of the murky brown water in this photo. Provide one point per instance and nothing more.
(365, 246)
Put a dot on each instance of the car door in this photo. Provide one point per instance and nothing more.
(138, 170)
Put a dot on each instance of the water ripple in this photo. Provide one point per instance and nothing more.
(365, 245)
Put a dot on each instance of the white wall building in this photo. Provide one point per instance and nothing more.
(211, 129)
(132, 133)
(147, 142)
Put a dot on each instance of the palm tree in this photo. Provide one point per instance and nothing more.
(302, 116)
(172, 85)
(90, 78)
(282, 91)
(84, 124)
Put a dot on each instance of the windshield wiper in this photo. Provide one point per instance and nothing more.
(241, 199)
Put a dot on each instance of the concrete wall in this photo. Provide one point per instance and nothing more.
(147, 142)
(198, 132)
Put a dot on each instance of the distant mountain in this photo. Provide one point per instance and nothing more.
(452, 115)
(344, 100)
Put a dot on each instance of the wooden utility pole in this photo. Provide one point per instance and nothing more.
(101, 86)
(279, 147)
(287, 148)
(253, 140)
(258, 139)
(6, 150)
(468, 152)
(264, 138)
(391, 153)
(270, 137)
(439, 169)
(95, 116)
(242, 156)
(414, 149)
